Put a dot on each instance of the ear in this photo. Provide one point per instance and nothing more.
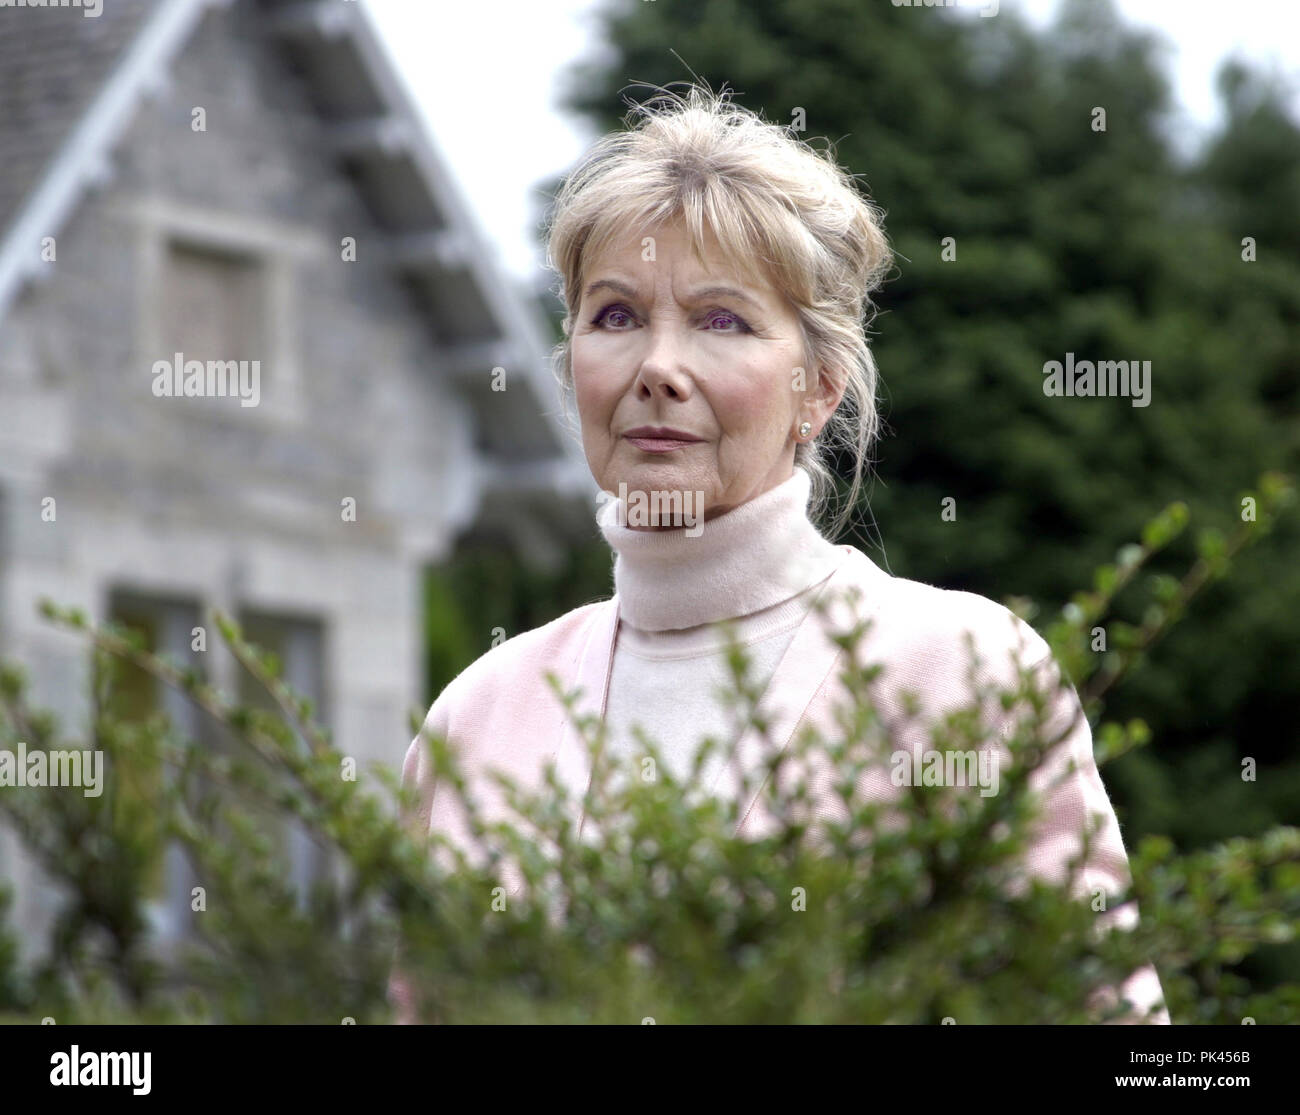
(823, 396)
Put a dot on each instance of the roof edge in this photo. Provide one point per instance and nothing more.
(83, 158)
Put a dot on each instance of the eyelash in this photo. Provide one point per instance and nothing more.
(740, 321)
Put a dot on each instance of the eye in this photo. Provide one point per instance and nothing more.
(727, 318)
(611, 316)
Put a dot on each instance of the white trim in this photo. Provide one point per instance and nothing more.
(84, 157)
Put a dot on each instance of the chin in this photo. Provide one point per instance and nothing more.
(637, 473)
(661, 478)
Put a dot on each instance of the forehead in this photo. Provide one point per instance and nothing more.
(626, 250)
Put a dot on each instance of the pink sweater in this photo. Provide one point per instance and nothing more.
(499, 713)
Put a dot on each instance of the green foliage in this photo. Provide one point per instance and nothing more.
(909, 912)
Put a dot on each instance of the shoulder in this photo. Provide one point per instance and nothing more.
(923, 629)
(494, 675)
(483, 707)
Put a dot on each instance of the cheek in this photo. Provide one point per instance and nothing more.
(592, 394)
(749, 406)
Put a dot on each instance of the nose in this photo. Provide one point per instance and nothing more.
(662, 371)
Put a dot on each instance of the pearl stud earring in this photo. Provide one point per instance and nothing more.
(805, 429)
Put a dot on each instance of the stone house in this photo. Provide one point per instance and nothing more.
(254, 355)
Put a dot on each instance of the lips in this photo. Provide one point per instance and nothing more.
(659, 439)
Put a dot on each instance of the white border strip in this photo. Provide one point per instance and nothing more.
(83, 158)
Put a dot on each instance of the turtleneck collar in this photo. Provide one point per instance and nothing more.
(752, 557)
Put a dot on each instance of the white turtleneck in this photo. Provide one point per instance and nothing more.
(757, 566)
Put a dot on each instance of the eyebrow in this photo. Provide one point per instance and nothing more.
(703, 292)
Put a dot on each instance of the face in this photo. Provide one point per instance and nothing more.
(684, 386)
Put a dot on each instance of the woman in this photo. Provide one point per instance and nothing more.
(716, 274)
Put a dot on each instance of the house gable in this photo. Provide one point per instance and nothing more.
(306, 150)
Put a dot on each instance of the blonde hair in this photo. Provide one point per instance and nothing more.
(766, 196)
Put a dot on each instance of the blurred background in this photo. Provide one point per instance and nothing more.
(350, 195)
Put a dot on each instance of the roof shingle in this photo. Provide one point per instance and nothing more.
(52, 63)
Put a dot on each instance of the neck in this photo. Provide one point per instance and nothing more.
(749, 558)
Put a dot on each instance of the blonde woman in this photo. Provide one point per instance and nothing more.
(716, 274)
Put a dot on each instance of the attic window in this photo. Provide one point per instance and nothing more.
(213, 304)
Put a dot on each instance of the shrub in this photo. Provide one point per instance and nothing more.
(915, 911)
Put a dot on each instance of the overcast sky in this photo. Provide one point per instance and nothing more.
(500, 65)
